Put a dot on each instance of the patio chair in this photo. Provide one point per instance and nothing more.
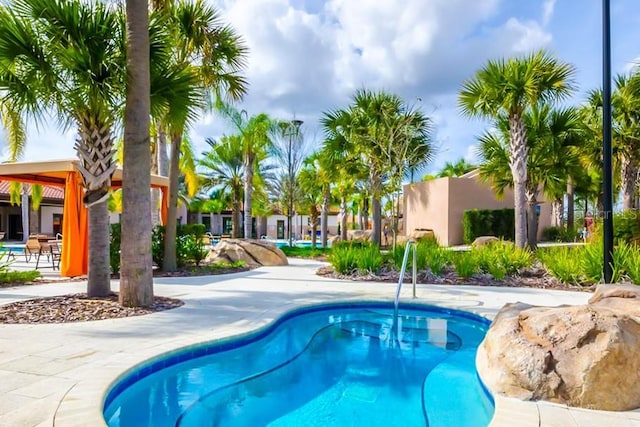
(31, 248)
(52, 251)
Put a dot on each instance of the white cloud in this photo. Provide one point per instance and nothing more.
(547, 11)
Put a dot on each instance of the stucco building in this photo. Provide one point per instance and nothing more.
(439, 205)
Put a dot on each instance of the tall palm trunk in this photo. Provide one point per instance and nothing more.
(518, 165)
(235, 219)
(314, 220)
(99, 268)
(95, 150)
(343, 218)
(629, 171)
(532, 217)
(170, 261)
(136, 274)
(570, 204)
(557, 212)
(324, 215)
(376, 208)
(248, 194)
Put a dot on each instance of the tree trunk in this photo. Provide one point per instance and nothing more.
(376, 212)
(556, 212)
(324, 216)
(518, 165)
(314, 228)
(629, 171)
(570, 204)
(235, 220)
(136, 274)
(532, 218)
(99, 277)
(170, 262)
(248, 193)
(34, 218)
(343, 218)
(155, 193)
(365, 213)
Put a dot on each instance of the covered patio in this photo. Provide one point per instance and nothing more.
(65, 174)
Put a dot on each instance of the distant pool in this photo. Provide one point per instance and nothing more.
(297, 243)
(13, 249)
(328, 365)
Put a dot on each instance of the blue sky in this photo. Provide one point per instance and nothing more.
(308, 56)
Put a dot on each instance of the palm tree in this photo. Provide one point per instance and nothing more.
(255, 139)
(313, 194)
(222, 169)
(550, 136)
(458, 168)
(136, 271)
(210, 56)
(626, 117)
(69, 56)
(510, 87)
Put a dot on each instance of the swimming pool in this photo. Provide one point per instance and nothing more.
(330, 365)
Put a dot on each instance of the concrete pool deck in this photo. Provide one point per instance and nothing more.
(58, 374)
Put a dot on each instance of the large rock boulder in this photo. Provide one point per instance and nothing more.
(586, 356)
(254, 253)
(359, 235)
(422, 234)
(484, 240)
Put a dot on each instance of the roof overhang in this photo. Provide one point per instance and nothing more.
(54, 172)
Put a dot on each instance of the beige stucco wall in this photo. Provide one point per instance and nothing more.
(439, 205)
(426, 206)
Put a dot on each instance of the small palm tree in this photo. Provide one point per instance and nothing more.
(222, 169)
(68, 55)
(511, 87)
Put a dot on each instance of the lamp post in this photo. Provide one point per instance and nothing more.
(607, 181)
(295, 124)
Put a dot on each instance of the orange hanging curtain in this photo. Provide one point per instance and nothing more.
(75, 248)
(164, 205)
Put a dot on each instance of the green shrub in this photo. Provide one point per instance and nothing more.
(559, 234)
(396, 254)
(114, 247)
(433, 256)
(502, 258)
(368, 258)
(563, 263)
(621, 256)
(183, 244)
(305, 251)
(486, 222)
(632, 266)
(5, 262)
(194, 249)
(18, 276)
(465, 263)
(343, 259)
(627, 226)
(592, 261)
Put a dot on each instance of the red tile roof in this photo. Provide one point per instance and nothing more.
(48, 192)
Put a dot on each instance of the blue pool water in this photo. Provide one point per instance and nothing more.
(337, 365)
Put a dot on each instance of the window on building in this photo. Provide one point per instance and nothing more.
(57, 223)
(227, 225)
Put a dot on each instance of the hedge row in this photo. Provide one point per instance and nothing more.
(487, 222)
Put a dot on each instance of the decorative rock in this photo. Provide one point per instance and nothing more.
(361, 235)
(254, 253)
(484, 240)
(586, 356)
(422, 234)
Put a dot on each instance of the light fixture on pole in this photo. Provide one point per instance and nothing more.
(607, 181)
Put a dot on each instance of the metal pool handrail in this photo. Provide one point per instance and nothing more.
(403, 269)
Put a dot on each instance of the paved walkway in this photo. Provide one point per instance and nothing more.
(59, 374)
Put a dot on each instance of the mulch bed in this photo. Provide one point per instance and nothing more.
(77, 308)
(80, 308)
(530, 278)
